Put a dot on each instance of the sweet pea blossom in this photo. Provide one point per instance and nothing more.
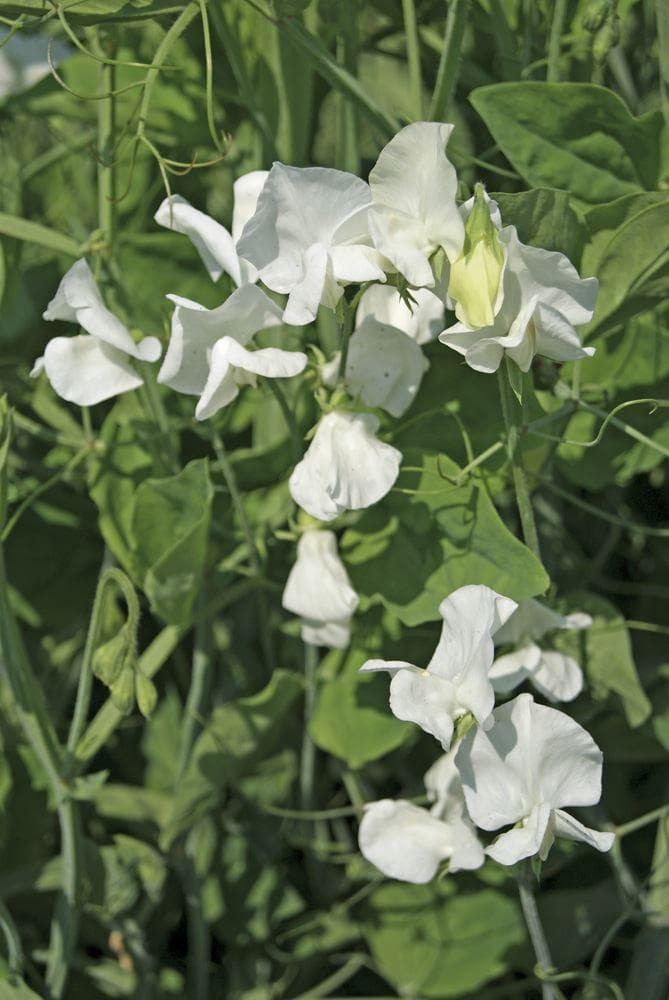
(555, 675)
(522, 771)
(208, 355)
(90, 368)
(456, 679)
(309, 237)
(543, 299)
(345, 467)
(409, 843)
(414, 213)
(422, 320)
(216, 246)
(384, 367)
(319, 591)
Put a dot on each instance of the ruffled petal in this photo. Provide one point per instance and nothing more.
(403, 841)
(86, 371)
(332, 635)
(556, 337)
(318, 586)
(428, 701)
(247, 190)
(557, 676)
(423, 321)
(509, 671)
(384, 367)
(307, 294)
(570, 828)
(533, 619)
(212, 241)
(533, 836)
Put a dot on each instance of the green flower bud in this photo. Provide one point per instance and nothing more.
(145, 693)
(477, 273)
(123, 691)
(109, 658)
(606, 38)
(595, 15)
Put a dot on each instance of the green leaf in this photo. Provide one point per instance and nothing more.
(13, 988)
(544, 218)
(657, 899)
(412, 550)
(575, 137)
(351, 718)
(238, 736)
(423, 938)
(170, 525)
(592, 910)
(33, 232)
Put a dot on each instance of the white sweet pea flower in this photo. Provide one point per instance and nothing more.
(423, 321)
(414, 213)
(522, 771)
(309, 237)
(384, 367)
(345, 467)
(208, 355)
(215, 244)
(409, 843)
(555, 675)
(543, 299)
(91, 368)
(456, 679)
(319, 591)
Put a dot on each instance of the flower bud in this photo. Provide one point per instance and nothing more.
(123, 691)
(108, 659)
(595, 14)
(477, 273)
(145, 693)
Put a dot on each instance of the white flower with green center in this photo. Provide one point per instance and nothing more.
(215, 244)
(309, 237)
(90, 368)
(557, 676)
(346, 467)
(319, 591)
(415, 214)
(209, 356)
(409, 843)
(523, 771)
(456, 680)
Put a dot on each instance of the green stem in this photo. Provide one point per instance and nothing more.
(449, 64)
(662, 15)
(308, 757)
(197, 693)
(43, 488)
(345, 323)
(641, 821)
(13, 940)
(348, 148)
(413, 58)
(199, 937)
(523, 499)
(289, 417)
(555, 40)
(106, 154)
(535, 929)
(187, 15)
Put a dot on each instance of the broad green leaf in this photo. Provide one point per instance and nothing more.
(33, 232)
(430, 942)
(238, 736)
(648, 976)
(351, 718)
(412, 550)
(575, 137)
(13, 988)
(93, 11)
(544, 218)
(605, 652)
(170, 525)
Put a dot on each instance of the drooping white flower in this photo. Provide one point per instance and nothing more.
(423, 321)
(555, 675)
(208, 356)
(215, 244)
(319, 591)
(456, 679)
(522, 771)
(409, 843)
(414, 214)
(384, 367)
(90, 368)
(309, 237)
(345, 467)
(544, 299)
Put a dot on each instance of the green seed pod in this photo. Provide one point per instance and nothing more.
(145, 693)
(109, 658)
(123, 691)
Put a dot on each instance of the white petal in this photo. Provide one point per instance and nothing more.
(195, 330)
(567, 826)
(526, 840)
(389, 666)
(422, 322)
(247, 190)
(533, 619)
(307, 293)
(426, 700)
(86, 371)
(212, 241)
(556, 337)
(345, 467)
(384, 367)
(403, 841)
(562, 288)
(318, 586)
(333, 635)
(356, 263)
(557, 676)
(509, 671)
(415, 184)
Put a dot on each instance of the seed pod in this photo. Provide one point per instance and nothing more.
(109, 658)
(145, 693)
(123, 691)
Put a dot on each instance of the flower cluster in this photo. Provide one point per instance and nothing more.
(517, 766)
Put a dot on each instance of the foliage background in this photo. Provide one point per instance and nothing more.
(211, 861)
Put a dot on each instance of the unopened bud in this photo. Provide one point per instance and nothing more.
(145, 693)
(108, 659)
(476, 275)
(123, 691)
